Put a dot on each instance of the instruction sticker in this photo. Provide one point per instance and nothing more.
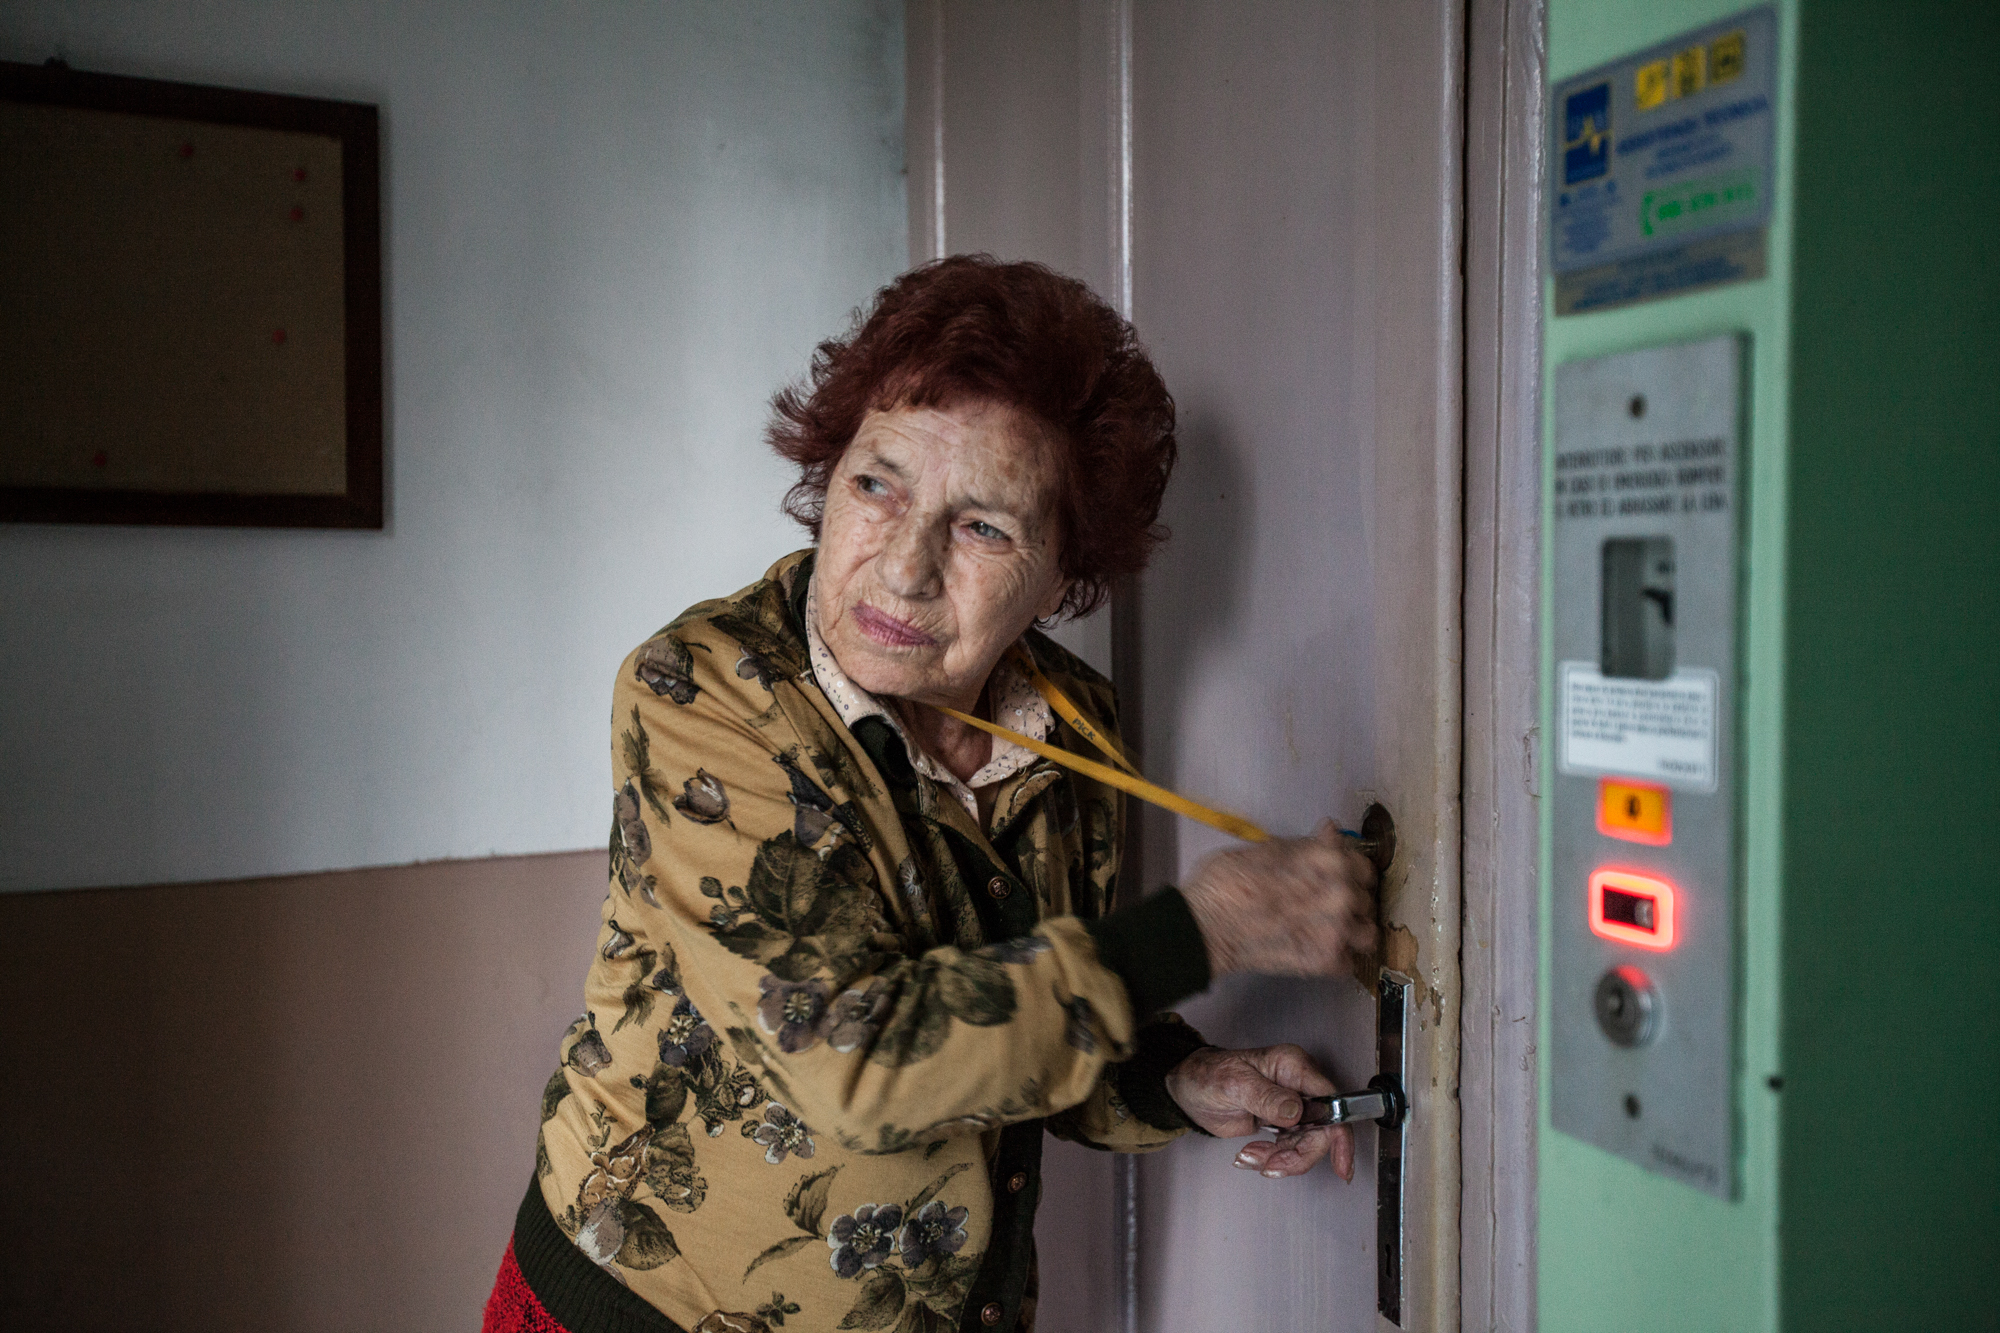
(1658, 729)
(1663, 167)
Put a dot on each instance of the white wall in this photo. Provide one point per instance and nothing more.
(610, 231)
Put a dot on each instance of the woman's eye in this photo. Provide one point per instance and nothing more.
(986, 531)
(870, 485)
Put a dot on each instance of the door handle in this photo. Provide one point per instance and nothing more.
(1386, 1103)
(1382, 1101)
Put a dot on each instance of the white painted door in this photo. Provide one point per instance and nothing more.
(1273, 192)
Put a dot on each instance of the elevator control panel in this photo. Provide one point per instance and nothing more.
(1646, 550)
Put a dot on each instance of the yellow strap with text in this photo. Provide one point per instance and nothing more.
(1069, 712)
(1128, 780)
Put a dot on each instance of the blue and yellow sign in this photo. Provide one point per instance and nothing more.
(1587, 134)
(1679, 198)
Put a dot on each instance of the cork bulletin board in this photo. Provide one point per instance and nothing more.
(190, 304)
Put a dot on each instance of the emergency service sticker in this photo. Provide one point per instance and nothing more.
(1661, 167)
(1658, 729)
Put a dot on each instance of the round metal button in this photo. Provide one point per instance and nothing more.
(998, 887)
(1627, 1006)
(1017, 1182)
(990, 1315)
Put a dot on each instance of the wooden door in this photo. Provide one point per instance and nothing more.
(1273, 192)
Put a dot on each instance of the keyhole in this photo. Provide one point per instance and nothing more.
(1631, 1106)
(1632, 807)
(1637, 407)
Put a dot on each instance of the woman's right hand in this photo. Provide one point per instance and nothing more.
(1291, 907)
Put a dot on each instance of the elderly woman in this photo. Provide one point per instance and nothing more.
(859, 953)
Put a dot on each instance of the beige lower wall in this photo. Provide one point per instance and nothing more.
(303, 1104)
(283, 1104)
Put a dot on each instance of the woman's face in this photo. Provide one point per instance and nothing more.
(937, 549)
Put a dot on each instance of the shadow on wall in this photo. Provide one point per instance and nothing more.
(281, 1104)
(1206, 511)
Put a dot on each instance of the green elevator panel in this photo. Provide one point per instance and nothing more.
(1866, 1058)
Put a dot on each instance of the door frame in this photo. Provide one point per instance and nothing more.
(1505, 78)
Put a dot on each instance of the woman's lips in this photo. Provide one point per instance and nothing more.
(888, 631)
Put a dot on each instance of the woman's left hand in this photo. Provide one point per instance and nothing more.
(1234, 1093)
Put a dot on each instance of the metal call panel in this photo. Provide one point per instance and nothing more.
(1646, 549)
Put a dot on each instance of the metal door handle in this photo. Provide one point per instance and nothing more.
(1382, 1101)
(1385, 1102)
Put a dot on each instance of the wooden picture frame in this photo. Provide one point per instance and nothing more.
(190, 304)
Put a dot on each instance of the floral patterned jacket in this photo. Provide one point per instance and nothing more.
(829, 1015)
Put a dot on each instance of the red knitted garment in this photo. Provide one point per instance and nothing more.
(512, 1308)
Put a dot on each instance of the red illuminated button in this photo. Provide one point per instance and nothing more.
(1635, 811)
(1632, 909)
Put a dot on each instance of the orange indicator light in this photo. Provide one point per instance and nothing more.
(1635, 811)
(1632, 909)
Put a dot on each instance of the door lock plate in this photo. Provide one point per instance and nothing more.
(1391, 1137)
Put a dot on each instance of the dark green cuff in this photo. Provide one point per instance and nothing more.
(1156, 949)
(1142, 1080)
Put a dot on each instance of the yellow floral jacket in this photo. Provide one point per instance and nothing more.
(829, 1014)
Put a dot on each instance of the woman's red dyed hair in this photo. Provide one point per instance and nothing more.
(972, 328)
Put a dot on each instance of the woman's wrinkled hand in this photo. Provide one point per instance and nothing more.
(1234, 1093)
(1291, 907)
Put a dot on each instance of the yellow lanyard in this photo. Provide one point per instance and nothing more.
(1128, 780)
